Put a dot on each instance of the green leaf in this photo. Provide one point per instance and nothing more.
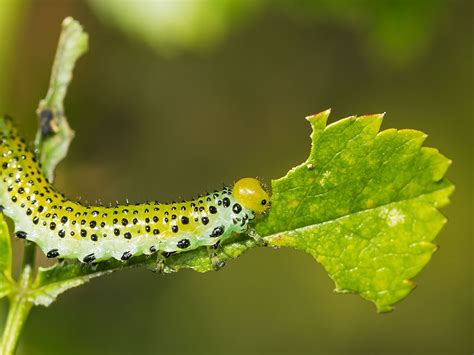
(364, 205)
(54, 135)
(65, 275)
(5, 259)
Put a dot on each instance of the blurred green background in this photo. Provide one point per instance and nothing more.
(211, 91)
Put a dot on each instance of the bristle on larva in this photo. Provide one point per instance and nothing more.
(74, 230)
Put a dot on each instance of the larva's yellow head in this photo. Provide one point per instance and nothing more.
(250, 193)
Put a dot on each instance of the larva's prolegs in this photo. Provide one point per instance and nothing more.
(252, 233)
(216, 263)
(69, 230)
(160, 264)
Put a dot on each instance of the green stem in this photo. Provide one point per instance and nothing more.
(20, 305)
(51, 144)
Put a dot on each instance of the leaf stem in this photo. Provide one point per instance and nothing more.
(51, 145)
(20, 305)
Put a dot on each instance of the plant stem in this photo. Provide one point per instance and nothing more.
(51, 144)
(20, 305)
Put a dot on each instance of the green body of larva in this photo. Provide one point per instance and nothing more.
(68, 229)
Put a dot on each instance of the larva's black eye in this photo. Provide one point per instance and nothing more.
(250, 194)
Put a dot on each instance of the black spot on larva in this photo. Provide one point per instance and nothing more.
(166, 220)
(53, 253)
(174, 229)
(21, 190)
(127, 235)
(127, 255)
(152, 249)
(72, 233)
(21, 234)
(28, 212)
(69, 209)
(148, 228)
(5, 165)
(217, 232)
(48, 215)
(116, 231)
(201, 209)
(94, 237)
(102, 224)
(219, 202)
(147, 220)
(52, 226)
(226, 202)
(264, 202)
(155, 219)
(213, 209)
(89, 258)
(61, 233)
(236, 208)
(135, 221)
(35, 220)
(205, 220)
(184, 220)
(95, 213)
(124, 221)
(83, 233)
(156, 231)
(114, 221)
(14, 198)
(93, 224)
(183, 243)
(83, 222)
(64, 219)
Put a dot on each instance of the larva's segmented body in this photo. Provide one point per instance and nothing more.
(67, 229)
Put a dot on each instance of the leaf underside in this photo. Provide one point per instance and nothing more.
(364, 205)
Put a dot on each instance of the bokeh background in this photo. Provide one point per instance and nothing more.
(176, 97)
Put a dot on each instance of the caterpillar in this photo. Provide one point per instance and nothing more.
(70, 230)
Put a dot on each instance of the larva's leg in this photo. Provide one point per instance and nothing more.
(159, 266)
(252, 233)
(217, 264)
